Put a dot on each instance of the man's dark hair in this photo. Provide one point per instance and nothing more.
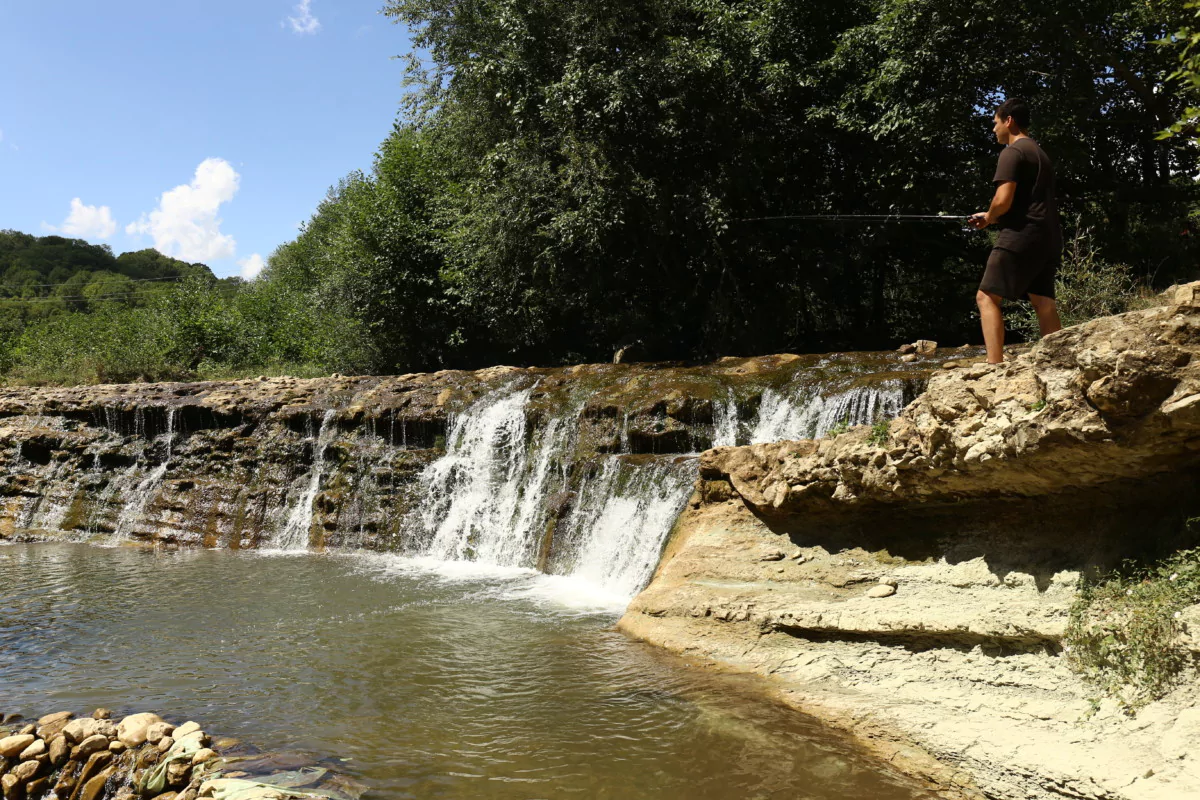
(1016, 108)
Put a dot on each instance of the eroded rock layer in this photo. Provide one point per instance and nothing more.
(913, 582)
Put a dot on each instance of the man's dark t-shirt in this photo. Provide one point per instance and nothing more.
(1031, 225)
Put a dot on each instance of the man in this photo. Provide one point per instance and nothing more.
(1029, 246)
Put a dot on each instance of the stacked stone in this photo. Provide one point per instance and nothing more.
(93, 758)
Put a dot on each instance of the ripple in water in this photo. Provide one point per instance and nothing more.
(435, 681)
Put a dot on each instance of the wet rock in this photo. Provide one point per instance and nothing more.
(166, 796)
(908, 359)
(60, 749)
(11, 787)
(906, 349)
(101, 713)
(882, 590)
(36, 788)
(223, 743)
(204, 754)
(132, 729)
(93, 744)
(11, 746)
(195, 738)
(165, 744)
(117, 747)
(95, 786)
(925, 347)
(79, 729)
(158, 730)
(95, 763)
(187, 794)
(26, 770)
(29, 729)
(34, 750)
(51, 719)
(178, 773)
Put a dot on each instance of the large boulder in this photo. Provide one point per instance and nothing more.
(132, 730)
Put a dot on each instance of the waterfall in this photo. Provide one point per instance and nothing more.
(621, 520)
(486, 497)
(786, 415)
(489, 498)
(725, 421)
(135, 505)
(296, 529)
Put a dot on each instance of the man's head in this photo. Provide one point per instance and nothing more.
(1011, 120)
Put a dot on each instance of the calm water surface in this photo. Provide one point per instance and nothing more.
(432, 681)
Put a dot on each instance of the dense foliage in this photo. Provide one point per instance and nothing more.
(573, 177)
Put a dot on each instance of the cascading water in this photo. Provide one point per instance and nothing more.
(621, 520)
(135, 505)
(488, 499)
(725, 421)
(804, 414)
(296, 529)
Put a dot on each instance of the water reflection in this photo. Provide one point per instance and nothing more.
(431, 684)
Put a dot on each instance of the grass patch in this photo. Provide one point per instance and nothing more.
(880, 433)
(1124, 631)
(838, 429)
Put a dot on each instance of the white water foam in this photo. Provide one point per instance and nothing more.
(295, 533)
(788, 415)
(725, 421)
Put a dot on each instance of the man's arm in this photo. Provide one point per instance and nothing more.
(1001, 203)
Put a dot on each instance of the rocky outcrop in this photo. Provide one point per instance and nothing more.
(233, 463)
(912, 582)
(142, 756)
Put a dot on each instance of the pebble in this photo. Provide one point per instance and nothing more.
(10, 746)
(889, 581)
(950, 365)
(882, 590)
(165, 744)
(908, 359)
(10, 785)
(117, 747)
(101, 713)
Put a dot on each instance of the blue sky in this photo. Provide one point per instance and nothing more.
(206, 129)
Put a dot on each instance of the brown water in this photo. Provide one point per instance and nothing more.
(429, 681)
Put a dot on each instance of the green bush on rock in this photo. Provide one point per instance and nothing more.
(1125, 633)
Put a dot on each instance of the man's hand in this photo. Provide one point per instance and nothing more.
(979, 221)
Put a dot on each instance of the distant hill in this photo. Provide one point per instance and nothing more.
(36, 267)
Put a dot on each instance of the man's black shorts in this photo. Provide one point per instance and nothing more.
(1015, 276)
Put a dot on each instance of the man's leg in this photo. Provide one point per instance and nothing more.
(1047, 313)
(993, 325)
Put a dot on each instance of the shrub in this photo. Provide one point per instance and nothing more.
(1124, 631)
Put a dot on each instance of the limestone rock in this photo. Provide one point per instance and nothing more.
(1181, 740)
(95, 786)
(132, 729)
(11, 746)
(34, 750)
(925, 347)
(52, 719)
(60, 749)
(95, 763)
(79, 729)
(51, 725)
(185, 729)
(11, 786)
(93, 744)
(178, 773)
(165, 744)
(882, 590)
(117, 747)
(158, 730)
(26, 770)
(101, 713)
(204, 754)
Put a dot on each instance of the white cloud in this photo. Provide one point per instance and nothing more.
(304, 21)
(251, 266)
(185, 224)
(86, 222)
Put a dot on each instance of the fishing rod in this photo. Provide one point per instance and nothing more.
(861, 217)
